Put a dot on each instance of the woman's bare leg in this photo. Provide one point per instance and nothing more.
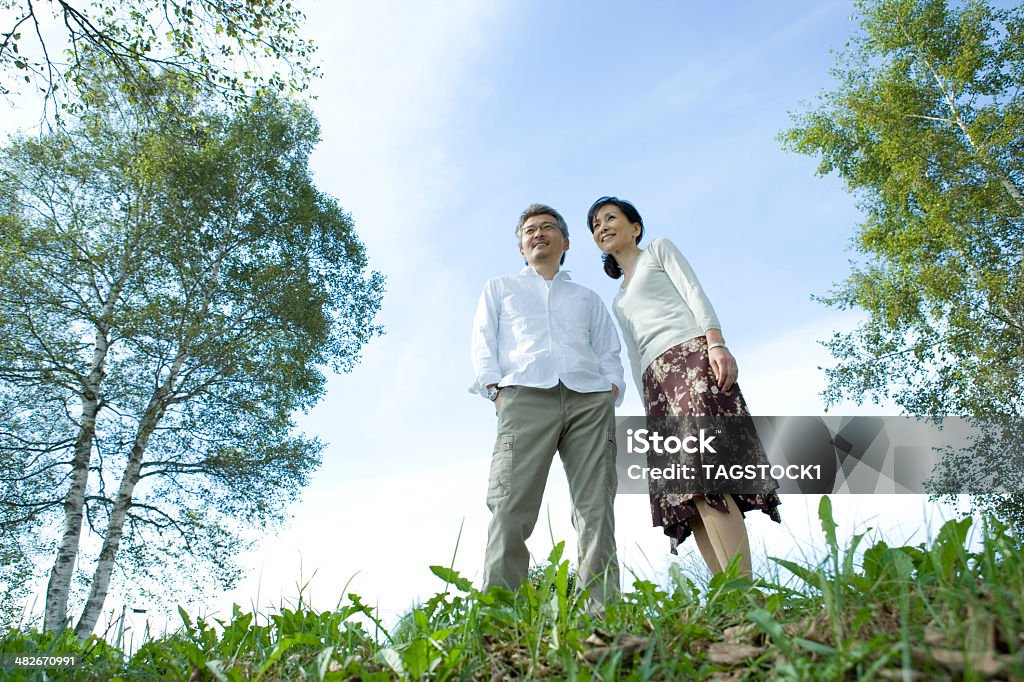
(725, 535)
(700, 534)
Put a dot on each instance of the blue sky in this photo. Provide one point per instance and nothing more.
(441, 122)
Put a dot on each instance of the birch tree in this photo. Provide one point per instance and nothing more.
(173, 293)
(926, 128)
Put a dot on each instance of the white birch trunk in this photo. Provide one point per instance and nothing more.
(115, 528)
(55, 615)
(147, 424)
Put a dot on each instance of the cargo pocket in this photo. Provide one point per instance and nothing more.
(501, 469)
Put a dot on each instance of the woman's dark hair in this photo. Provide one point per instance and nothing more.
(611, 266)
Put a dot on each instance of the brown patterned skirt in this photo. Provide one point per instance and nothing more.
(680, 382)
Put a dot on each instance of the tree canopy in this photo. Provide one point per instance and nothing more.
(46, 44)
(172, 288)
(926, 127)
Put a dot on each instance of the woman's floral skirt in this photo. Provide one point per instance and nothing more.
(681, 383)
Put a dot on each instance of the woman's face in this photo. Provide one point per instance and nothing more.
(612, 230)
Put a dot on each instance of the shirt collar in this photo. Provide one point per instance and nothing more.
(529, 271)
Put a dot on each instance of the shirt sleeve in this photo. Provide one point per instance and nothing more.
(684, 279)
(605, 342)
(484, 345)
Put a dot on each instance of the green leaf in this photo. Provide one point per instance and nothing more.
(216, 668)
(323, 661)
(416, 658)
(772, 628)
(555, 556)
(901, 563)
(185, 618)
(810, 576)
(948, 549)
(392, 659)
(452, 577)
(876, 562)
(284, 645)
(828, 526)
(815, 647)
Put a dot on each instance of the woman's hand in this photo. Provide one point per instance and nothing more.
(723, 364)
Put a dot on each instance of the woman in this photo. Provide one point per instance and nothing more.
(682, 367)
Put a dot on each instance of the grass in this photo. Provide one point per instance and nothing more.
(933, 611)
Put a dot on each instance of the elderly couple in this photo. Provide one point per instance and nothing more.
(546, 353)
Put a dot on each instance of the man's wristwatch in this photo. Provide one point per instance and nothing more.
(492, 393)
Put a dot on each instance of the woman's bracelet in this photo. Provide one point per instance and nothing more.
(717, 345)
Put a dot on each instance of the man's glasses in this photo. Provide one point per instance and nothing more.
(542, 228)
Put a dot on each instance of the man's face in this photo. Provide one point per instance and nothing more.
(541, 240)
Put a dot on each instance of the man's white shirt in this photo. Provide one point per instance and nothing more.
(533, 332)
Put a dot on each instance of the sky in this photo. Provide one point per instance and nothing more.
(440, 123)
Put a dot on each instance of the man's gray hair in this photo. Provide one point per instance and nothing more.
(541, 209)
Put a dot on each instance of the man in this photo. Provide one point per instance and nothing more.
(546, 352)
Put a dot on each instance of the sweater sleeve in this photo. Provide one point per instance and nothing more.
(684, 279)
(633, 353)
